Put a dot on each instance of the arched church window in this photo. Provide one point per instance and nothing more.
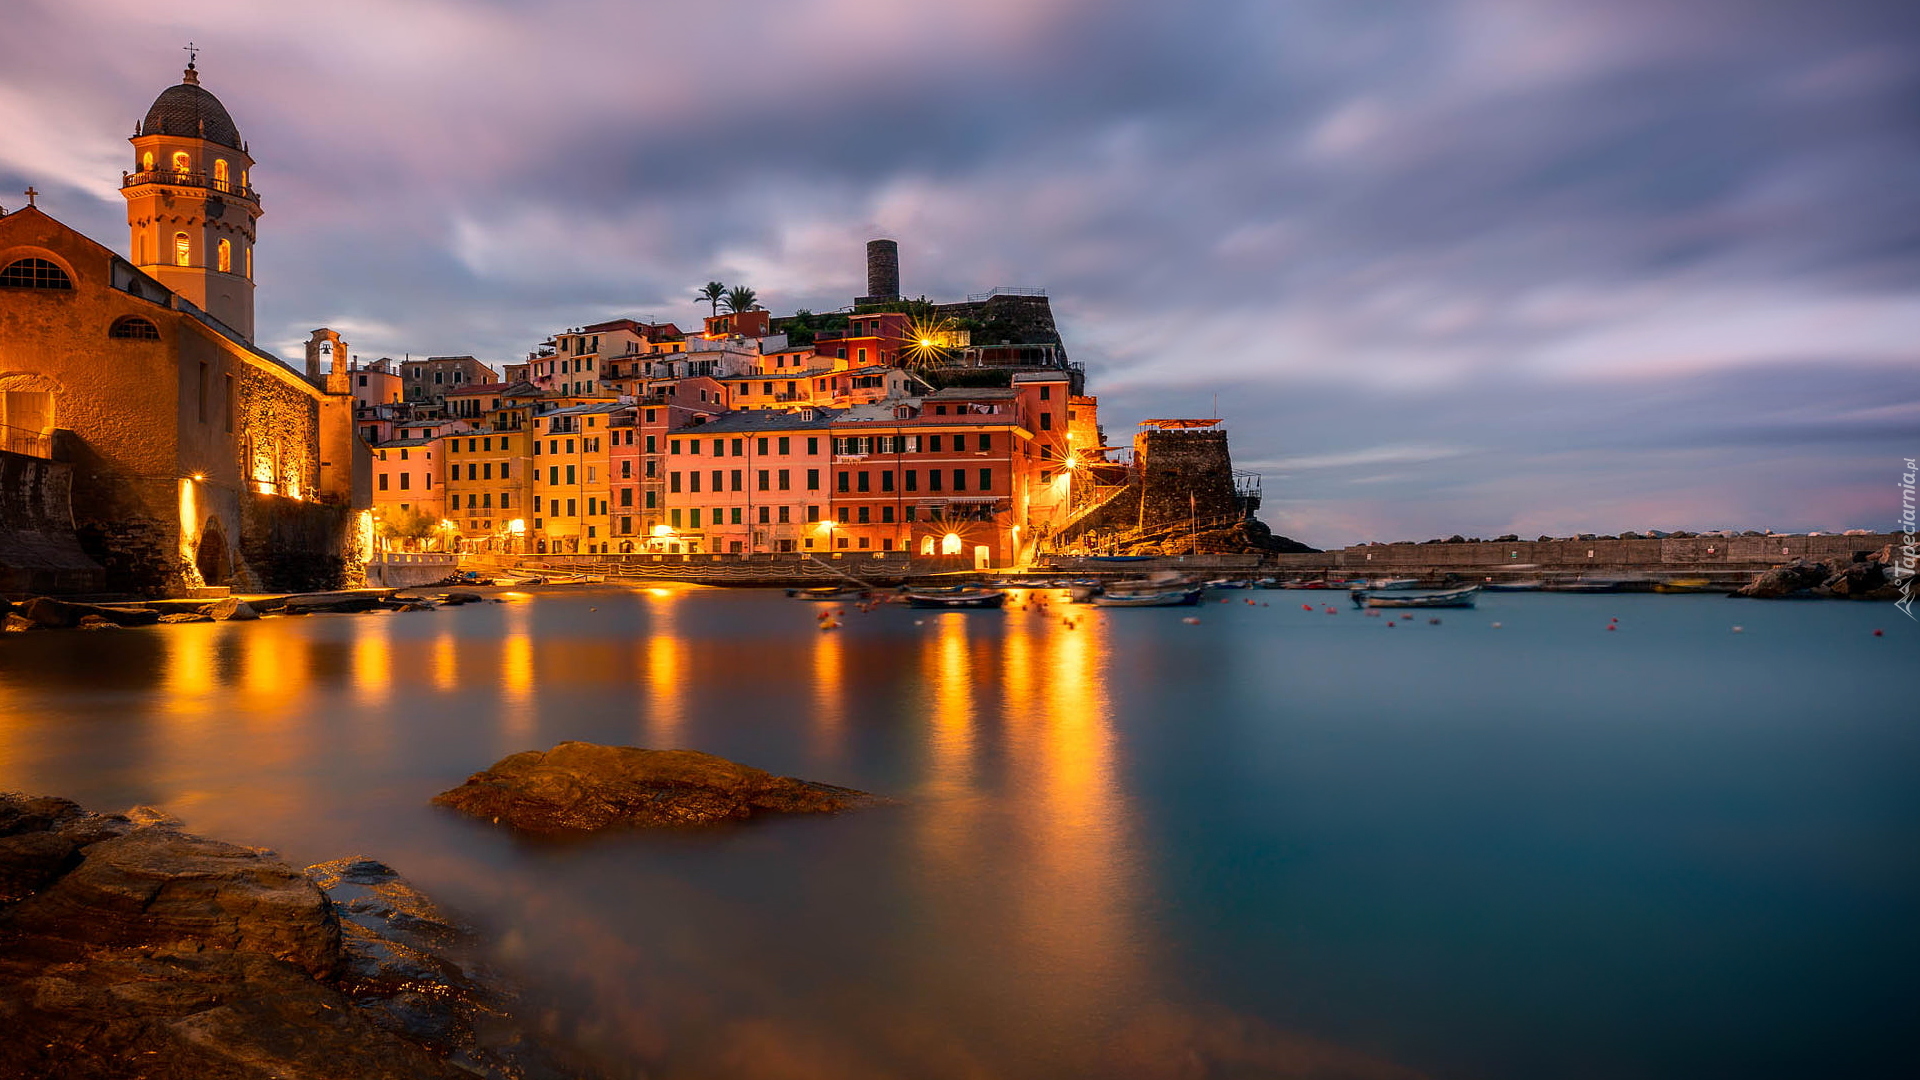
(146, 161)
(181, 161)
(243, 179)
(182, 250)
(133, 328)
(220, 174)
(226, 256)
(34, 274)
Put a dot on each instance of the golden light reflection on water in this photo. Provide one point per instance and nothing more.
(516, 677)
(372, 663)
(664, 659)
(446, 659)
(829, 696)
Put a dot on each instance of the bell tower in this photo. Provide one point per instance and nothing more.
(191, 206)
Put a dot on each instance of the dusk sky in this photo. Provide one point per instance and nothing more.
(1473, 266)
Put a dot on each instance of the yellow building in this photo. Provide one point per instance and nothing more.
(573, 478)
(490, 487)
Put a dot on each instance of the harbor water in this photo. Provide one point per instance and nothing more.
(1505, 842)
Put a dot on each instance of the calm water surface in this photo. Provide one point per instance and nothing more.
(1302, 843)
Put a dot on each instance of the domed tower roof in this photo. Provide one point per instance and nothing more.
(189, 110)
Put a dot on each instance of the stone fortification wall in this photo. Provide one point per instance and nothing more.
(1704, 554)
(296, 546)
(38, 550)
(1183, 475)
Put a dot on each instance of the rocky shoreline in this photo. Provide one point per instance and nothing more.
(49, 613)
(1863, 576)
(131, 949)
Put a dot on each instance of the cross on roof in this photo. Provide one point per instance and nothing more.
(30, 194)
(191, 50)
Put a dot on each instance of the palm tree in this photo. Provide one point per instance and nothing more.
(740, 298)
(713, 293)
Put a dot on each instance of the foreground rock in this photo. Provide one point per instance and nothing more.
(129, 948)
(580, 787)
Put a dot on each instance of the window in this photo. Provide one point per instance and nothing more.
(864, 512)
(133, 328)
(571, 504)
(1046, 393)
(673, 481)
(986, 479)
(506, 468)
(571, 474)
(182, 250)
(813, 445)
(933, 479)
(220, 174)
(735, 480)
(405, 480)
(765, 480)
(693, 518)
(986, 442)
(383, 481)
(813, 513)
(720, 448)
(783, 514)
(181, 162)
(786, 480)
(734, 515)
(146, 161)
(843, 515)
(886, 480)
(959, 444)
(34, 274)
(1046, 421)
(865, 481)
(226, 256)
(841, 482)
(693, 480)
(913, 480)
(813, 479)
(783, 443)
(959, 479)
(933, 444)
(739, 445)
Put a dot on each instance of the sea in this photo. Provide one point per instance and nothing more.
(1552, 836)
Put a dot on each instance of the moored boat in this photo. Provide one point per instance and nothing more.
(830, 592)
(1683, 585)
(1447, 598)
(1229, 583)
(970, 598)
(1182, 597)
(1530, 585)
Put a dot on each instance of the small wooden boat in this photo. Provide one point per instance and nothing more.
(970, 598)
(578, 579)
(1531, 585)
(1448, 598)
(1229, 583)
(1390, 583)
(1683, 585)
(530, 579)
(1169, 598)
(828, 593)
(1594, 586)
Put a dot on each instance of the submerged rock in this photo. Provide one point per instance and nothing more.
(129, 948)
(580, 787)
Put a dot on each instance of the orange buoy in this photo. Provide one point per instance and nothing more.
(1191, 621)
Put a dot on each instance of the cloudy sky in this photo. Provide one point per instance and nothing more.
(1470, 266)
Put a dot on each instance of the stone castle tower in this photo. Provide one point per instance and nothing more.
(191, 206)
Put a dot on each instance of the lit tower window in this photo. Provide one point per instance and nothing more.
(226, 256)
(220, 174)
(182, 250)
(180, 161)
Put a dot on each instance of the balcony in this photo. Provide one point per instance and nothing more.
(188, 179)
(26, 442)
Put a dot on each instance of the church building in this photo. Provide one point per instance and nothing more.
(147, 445)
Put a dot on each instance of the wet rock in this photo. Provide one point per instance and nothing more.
(131, 949)
(343, 603)
(52, 614)
(185, 617)
(17, 623)
(96, 622)
(1785, 580)
(579, 786)
(229, 609)
(457, 598)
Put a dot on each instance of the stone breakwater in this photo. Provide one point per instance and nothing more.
(47, 613)
(130, 948)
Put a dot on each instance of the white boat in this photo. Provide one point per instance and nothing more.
(1448, 598)
(1392, 583)
(1170, 598)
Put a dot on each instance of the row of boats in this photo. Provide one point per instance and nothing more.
(469, 577)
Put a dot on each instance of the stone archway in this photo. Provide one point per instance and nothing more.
(211, 556)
